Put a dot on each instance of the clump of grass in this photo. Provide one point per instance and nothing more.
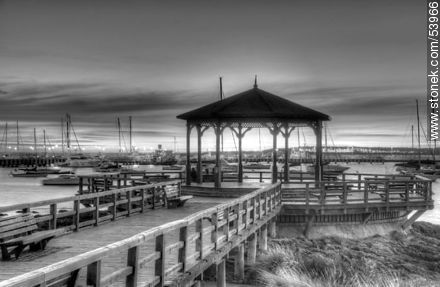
(398, 260)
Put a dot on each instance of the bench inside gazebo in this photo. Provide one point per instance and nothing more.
(254, 108)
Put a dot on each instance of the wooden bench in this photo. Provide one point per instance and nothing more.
(394, 188)
(173, 197)
(335, 189)
(19, 231)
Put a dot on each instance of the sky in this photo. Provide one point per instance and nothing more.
(361, 62)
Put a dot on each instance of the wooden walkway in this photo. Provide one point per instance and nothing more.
(76, 243)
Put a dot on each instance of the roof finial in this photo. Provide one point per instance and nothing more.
(255, 82)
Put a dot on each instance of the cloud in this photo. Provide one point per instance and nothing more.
(31, 100)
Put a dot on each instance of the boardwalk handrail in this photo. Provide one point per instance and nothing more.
(228, 224)
(87, 209)
(365, 194)
(82, 196)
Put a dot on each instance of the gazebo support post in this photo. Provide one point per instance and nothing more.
(188, 155)
(318, 164)
(218, 169)
(274, 132)
(199, 154)
(240, 154)
(286, 135)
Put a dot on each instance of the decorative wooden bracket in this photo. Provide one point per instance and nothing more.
(240, 132)
(273, 130)
(201, 130)
(287, 131)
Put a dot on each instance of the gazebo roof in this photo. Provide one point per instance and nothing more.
(254, 104)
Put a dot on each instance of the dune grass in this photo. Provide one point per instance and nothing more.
(402, 260)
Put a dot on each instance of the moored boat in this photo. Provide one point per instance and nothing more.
(256, 166)
(29, 173)
(64, 179)
(172, 167)
(330, 168)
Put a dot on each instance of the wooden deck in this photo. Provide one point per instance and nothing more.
(83, 241)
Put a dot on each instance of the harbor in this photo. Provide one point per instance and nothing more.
(227, 144)
(224, 210)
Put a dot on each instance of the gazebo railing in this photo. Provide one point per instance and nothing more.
(368, 193)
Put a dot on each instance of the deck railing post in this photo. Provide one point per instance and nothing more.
(214, 234)
(96, 211)
(76, 207)
(265, 203)
(183, 252)
(114, 207)
(143, 191)
(199, 241)
(245, 214)
(268, 201)
(153, 199)
(359, 181)
(129, 205)
(159, 266)
(253, 211)
(53, 214)
(133, 262)
(94, 274)
(80, 185)
(237, 221)
(225, 228)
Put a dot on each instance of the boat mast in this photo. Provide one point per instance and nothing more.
(418, 132)
(35, 142)
(119, 134)
(221, 99)
(44, 143)
(259, 140)
(68, 131)
(62, 135)
(325, 137)
(18, 143)
(6, 139)
(131, 145)
(299, 146)
(412, 138)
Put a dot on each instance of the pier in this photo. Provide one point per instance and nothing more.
(119, 232)
(29, 161)
(173, 247)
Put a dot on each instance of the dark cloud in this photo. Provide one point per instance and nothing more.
(99, 60)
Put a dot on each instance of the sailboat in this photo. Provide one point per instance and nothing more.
(425, 168)
(78, 159)
(327, 167)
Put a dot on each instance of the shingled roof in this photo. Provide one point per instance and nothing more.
(254, 104)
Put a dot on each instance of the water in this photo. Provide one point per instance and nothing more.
(25, 190)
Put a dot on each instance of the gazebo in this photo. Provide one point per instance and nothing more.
(254, 108)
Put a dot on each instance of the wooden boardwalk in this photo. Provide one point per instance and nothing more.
(76, 243)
